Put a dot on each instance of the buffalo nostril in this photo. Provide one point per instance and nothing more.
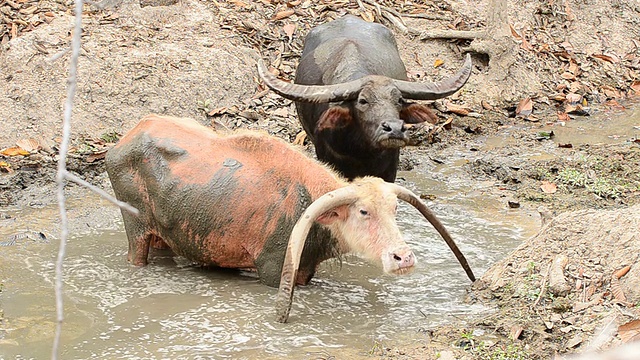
(404, 261)
(385, 127)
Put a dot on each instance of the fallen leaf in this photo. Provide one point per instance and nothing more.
(568, 76)
(563, 116)
(573, 98)
(525, 107)
(548, 187)
(457, 109)
(14, 151)
(283, 112)
(486, 105)
(438, 63)
(612, 58)
(574, 341)
(515, 332)
(299, 140)
(526, 45)
(635, 86)
(29, 145)
(622, 272)
(283, 14)
(515, 33)
(367, 16)
(217, 111)
(565, 146)
(630, 331)
(96, 156)
(5, 167)
(239, 3)
(289, 29)
(293, 3)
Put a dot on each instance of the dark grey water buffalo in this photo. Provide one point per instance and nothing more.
(351, 93)
(231, 201)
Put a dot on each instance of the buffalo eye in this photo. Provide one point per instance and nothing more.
(364, 212)
(362, 101)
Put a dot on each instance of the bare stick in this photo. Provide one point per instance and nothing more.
(62, 170)
(449, 34)
(102, 193)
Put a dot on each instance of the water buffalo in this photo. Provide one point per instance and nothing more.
(351, 91)
(231, 201)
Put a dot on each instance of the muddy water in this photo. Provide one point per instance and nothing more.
(171, 309)
(605, 128)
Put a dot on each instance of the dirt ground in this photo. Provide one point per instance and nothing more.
(562, 291)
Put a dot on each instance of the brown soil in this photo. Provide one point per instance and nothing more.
(196, 58)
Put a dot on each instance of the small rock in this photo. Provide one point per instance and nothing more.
(513, 204)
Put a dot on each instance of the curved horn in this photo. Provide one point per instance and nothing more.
(408, 196)
(298, 236)
(311, 93)
(434, 91)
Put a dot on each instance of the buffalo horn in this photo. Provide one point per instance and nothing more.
(433, 91)
(316, 94)
(408, 196)
(297, 239)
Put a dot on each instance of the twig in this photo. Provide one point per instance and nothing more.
(102, 193)
(62, 170)
(543, 286)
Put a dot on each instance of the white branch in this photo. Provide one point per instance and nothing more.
(62, 170)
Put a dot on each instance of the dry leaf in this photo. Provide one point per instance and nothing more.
(367, 16)
(96, 156)
(563, 116)
(283, 112)
(438, 63)
(515, 332)
(29, 145)
(217, 111)
(14, 151)
(526, 45)
(293, 3)
(457, 109)
(515, 33)
(622, 272)
(607, 57)
(548, 187)
(630, 331)
(5, 167)
(485, 105)
(239, 3)
(568, 76)
(299, 140)
(289, 29)
(525, 107)
(573, 98)
(635, 86)
(283, 14)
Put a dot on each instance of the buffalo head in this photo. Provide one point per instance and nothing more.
(377, 105)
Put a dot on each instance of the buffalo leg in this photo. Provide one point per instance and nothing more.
(139, 239)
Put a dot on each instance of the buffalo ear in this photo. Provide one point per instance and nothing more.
(334, 117)
(329, 217)
(416, 113)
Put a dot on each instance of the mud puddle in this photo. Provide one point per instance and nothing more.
(171, 309)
